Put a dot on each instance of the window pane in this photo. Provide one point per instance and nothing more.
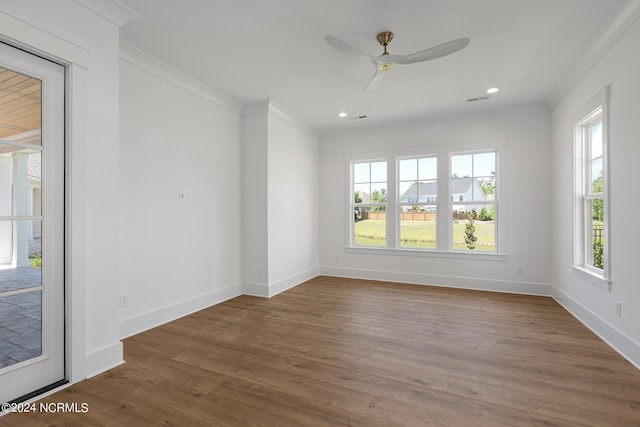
(428, 168)
(463, 189)
(596, 176)
(461, 166)
(20, 327)
(370, 227)
(379, 193)
(470, 232)
(361, 172)
(596, 140)
(22, 96)
(408, 170)
(379, 172)
(484, 164)
(595, 233)
(418, 227)
(363, 192)
(20, 177)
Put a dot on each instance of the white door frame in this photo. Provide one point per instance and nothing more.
(49, 367)
(75, 59)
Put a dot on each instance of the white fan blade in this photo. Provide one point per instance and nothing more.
(433, 52)
(375, 81)
(348, 49)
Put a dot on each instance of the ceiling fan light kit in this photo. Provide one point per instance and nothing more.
(386, 61)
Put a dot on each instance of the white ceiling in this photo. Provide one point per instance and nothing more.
(255, 49)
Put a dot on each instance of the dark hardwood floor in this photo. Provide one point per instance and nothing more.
(351, 352)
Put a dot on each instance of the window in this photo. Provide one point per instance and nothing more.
(473, 190)
(400, 202)
(591, 231)
(418, 192)
(369, 203)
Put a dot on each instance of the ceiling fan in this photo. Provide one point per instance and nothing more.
(386, 61)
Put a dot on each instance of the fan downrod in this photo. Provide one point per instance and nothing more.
(384, 38)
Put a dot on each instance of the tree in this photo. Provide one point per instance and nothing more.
(379, 196)
(597, 209)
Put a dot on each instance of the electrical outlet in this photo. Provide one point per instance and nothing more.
(124, 301)
(618, 309)
(519, 269)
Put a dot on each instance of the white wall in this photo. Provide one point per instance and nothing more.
(524, 180)
(293, 202)
(255, 259)
(280, 191)
(175, 255)
(620, 68)
(88, 45)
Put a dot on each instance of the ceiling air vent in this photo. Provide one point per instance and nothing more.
(480, 98)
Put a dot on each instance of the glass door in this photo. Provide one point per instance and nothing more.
(31, 223)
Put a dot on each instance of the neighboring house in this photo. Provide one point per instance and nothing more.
(462, 189)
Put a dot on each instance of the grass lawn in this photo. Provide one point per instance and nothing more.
(422, 234)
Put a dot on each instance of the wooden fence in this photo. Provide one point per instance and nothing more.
(410, 216)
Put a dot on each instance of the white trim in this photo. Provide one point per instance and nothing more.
(75, 226)
(591, 276)
(446, 281)
(269, 290)
(628, 14)
(149, 63)
(426, 149)
(292, 281)
(156, 317)
(255, 108)
(429, 253)
(266, 106)
(111, 10)
(616, 339)
(256, 289)
(26, 36)
(29, 139)
(293, 119)
(105, 358)
(596, 107)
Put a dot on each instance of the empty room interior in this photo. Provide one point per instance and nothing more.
(298, 213)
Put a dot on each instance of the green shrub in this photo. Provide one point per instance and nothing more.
(598, 249)
(35, 261)
(469, 230)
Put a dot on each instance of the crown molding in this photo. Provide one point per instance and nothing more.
(111, 10)
(627, 16)
(165, 71)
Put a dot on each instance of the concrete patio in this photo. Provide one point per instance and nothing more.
(20, 316)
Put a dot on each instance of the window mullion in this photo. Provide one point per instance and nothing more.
(392, 204)
(443, 208)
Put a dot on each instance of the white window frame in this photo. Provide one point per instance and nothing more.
(443, 152)
(353, 205)
(494, 202)
(597, 109)
(431, 204)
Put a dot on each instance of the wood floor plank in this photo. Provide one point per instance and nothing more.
(334, 352)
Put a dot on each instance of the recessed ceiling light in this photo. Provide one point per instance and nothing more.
(493, 90)
(342, 115)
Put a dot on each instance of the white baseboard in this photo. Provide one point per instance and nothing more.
(268, 290)
(461, 282)
(292, 281)
(151, 319)
(104, 359)
(256, 289)
(620, 342)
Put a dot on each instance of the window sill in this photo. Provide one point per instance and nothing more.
(429, 253)
(591, 277)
